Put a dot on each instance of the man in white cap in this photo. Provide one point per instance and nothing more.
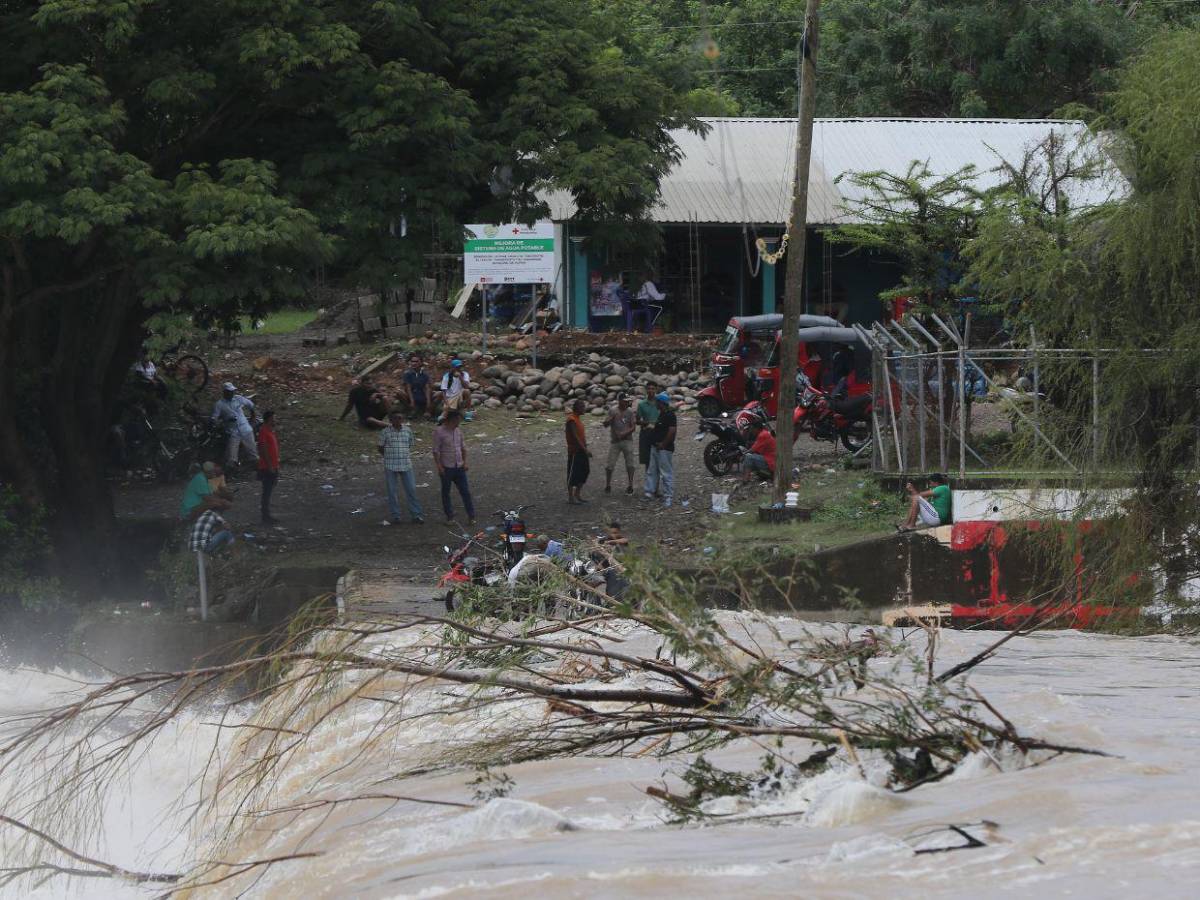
(230, 412)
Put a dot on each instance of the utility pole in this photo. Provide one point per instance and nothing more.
(793, 296)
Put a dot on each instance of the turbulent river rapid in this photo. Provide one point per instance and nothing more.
(1087, 826)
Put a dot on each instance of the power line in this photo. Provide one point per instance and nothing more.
(722, 25)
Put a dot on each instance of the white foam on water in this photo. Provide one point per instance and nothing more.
(1090, 826)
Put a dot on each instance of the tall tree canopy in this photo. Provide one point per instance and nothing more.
(203, 157)
(907, 57)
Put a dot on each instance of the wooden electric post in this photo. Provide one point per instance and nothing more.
(793, 295)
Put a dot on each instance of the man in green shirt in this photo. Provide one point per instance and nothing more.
(929, 508)
(198, 496)
(647, 417)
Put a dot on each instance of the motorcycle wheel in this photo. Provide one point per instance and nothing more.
(709, 407)
(855, 436)
(719, 457)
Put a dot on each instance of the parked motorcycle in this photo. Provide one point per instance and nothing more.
(730, 443)
(514, 535)
(476, 563)
(829, 417)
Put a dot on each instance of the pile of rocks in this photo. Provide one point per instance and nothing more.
(597, 381)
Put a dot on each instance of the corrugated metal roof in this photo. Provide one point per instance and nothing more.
(741, 169)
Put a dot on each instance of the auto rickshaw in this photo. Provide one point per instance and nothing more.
(818, 349)
(749, 343)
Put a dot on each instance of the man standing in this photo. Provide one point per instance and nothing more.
(621, 426)
(660, 476)
(450, 457)
(647, 415)
(418, 389)
(230, 412)
(268, 464)
(456, 387)
(395, 446)
(579, 464)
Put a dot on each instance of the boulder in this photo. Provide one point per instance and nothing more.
(580, 379)
(492, 372)
(557, 403)
(494, 391)
(529, 390)
(555, 373)
(492, 403)
(514, 383)
(614, 380)
(595, 358)
(547, 385)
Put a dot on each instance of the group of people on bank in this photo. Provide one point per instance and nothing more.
(656, 425)
(653, 423)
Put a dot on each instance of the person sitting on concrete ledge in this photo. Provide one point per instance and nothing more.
(929, 508)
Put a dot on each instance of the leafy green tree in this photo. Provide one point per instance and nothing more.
(991, 58)
(922, 220)
(1121, 280)
(204, 157)
(907, 57)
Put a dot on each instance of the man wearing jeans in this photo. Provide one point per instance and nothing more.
(209, 534)
(450, 457)
(395, 446)
(660, 475)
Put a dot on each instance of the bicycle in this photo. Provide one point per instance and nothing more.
(189, 370)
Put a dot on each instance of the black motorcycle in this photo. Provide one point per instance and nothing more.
(514, 534)
(724, 453)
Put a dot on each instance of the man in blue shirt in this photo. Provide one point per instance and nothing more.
(418, 390)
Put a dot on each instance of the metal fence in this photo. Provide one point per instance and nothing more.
(926, 379)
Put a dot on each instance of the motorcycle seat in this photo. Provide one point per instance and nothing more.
(851, 407)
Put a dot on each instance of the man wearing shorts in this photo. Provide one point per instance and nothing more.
(931, 508)
(456, 387)
(621, 426)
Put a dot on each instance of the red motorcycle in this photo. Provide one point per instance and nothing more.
(825, 417)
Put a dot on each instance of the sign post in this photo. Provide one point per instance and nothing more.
(511, 253)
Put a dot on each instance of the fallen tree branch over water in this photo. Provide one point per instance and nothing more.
(658, 677)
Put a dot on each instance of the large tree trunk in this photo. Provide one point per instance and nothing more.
(64, 360)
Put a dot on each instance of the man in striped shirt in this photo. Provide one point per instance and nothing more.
(395, 446)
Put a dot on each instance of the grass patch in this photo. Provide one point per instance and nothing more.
(847, 506)
(284, 321)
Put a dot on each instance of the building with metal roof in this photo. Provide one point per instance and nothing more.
(733, 184)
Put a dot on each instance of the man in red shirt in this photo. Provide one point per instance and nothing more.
(760, 460)
(268, 463)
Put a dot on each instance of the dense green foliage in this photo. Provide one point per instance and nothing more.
(1123, 281)
(204, 157)
(905, 57)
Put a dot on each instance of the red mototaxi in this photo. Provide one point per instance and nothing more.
(751, 343)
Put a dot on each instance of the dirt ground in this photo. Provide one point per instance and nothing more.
(331, 499)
